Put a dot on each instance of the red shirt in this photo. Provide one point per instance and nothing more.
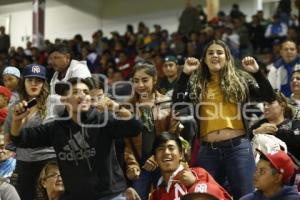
(173, 190)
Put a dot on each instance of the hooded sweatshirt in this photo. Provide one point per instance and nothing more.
(77, 69)
(287, 193)
(85, 153)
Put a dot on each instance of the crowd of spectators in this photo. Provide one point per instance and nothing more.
(114, 55)
(273, 42)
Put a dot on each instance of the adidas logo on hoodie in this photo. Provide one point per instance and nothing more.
(77, 149)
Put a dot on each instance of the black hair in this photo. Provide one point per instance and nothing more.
(288, 40)
(274, 170)
(283, 101)
(75, 80)
(165, 137)
(95, 83)
(63, 88)
(129, 28)
(78, 37)
(236, 6)
(61, 48)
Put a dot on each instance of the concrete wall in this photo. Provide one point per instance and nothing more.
(65, 18)
(17, 19)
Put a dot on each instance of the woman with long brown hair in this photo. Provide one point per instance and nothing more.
(219, 92)
(31, 161)
(154, 110)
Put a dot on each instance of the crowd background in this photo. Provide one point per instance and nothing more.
(115, 56)
(118, 52)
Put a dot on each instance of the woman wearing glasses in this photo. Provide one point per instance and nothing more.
(50, 181)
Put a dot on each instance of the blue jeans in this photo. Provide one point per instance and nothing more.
(144, 183)
(120, 196)
(234, 164)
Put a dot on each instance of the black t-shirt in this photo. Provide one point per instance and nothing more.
(288, 132)
(148, 132)
(164, 85)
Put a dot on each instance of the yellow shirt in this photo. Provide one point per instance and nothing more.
(216, 113)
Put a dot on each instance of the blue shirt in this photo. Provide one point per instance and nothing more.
(287, 193)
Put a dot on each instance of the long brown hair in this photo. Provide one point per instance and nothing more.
(233, 82)
(41, 98)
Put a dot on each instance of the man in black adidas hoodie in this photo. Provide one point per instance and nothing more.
(83, 139)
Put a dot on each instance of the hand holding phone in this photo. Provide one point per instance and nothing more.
(20, 110)
(31, 103)
(11, 147)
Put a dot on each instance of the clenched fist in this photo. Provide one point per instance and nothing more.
(187, 178)
(190, 65)
(150, 164)
(250, 64)
(133, 173)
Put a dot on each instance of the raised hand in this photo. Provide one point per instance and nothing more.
(123, 113)
(250, 64)
(190, 65)
(133, 173)
(187, 178)
(106, 103)
(150, 164)
(20, 111)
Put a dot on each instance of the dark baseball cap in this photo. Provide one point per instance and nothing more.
(35, 70)
(171, 58)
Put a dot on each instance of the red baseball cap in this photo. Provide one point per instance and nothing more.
(205, 189)
(5, 91)
(282, 162)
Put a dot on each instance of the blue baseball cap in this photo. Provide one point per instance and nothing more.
(34, 70)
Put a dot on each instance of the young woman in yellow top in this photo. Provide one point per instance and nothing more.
(219, 92)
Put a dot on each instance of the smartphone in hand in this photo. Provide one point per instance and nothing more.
(31, 103)
(11, 147)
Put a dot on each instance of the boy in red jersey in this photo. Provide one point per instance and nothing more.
(177, 179)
